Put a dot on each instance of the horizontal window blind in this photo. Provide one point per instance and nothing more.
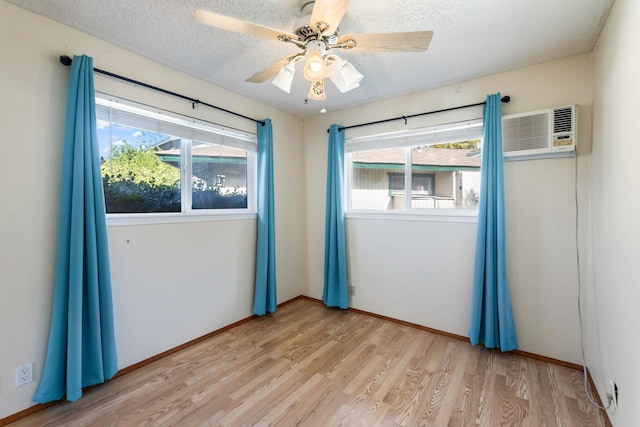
(118, 112)
(452, 132)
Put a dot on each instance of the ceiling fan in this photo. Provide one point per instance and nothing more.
(316, 34)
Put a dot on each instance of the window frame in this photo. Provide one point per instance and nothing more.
(239, 139)
(408, 139)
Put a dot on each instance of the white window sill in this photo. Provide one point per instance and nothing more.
(440, 215)
(116, 220)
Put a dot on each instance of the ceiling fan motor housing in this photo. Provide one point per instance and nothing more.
(302, 27)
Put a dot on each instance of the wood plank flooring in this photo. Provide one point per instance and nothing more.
(308, 365)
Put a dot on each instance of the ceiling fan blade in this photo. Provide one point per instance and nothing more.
(239, 26)
(388, 42)
(329, 12)
(270, 71)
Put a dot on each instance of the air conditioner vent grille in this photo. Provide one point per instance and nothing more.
(540, 134)
(528, 132)
(562, 120)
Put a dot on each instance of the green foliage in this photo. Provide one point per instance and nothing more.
(214, 199)
(128, 196)
(137, 181)
(140, 166)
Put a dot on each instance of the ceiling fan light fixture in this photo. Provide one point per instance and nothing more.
(315, 65)
(284, 78)
(315, 69)
(344, 75)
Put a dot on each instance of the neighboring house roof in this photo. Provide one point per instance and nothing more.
(171, 148)
(166, 144)
(443, 157)
(206, 151)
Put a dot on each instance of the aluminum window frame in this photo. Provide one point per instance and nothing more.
(141, 116)
(408, 139)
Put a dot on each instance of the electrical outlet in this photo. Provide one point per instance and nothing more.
(24, 374)
(613, 396)
(352, 291)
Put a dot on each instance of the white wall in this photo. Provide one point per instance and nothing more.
(613, 293)
(421, 271)
(172, 282)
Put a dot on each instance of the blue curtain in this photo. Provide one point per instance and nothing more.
(491, 316)
(336, 287)
(265, 298)
(81, 349)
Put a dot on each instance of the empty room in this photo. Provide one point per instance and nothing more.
(319, 213)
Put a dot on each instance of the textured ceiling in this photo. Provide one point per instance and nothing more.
(472, 38)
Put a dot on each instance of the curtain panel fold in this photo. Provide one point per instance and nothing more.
(265, 299)
(81, 349)
(491, 315)
(336, 287)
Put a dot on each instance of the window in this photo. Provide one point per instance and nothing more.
(418, 170)
(158, 162)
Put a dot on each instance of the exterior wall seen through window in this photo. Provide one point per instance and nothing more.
(442, 176)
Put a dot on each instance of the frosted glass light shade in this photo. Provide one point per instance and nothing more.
(315, 70)
(344, 75)
(316, 91)
(285, 77)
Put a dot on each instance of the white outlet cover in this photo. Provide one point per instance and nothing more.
(24, 374)
(614, 395)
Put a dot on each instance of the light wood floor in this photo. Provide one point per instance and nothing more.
(312, 366)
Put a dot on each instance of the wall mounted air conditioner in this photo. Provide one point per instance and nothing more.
(540, 134)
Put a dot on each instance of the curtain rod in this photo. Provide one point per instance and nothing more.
(65, 60)
(504, 99)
